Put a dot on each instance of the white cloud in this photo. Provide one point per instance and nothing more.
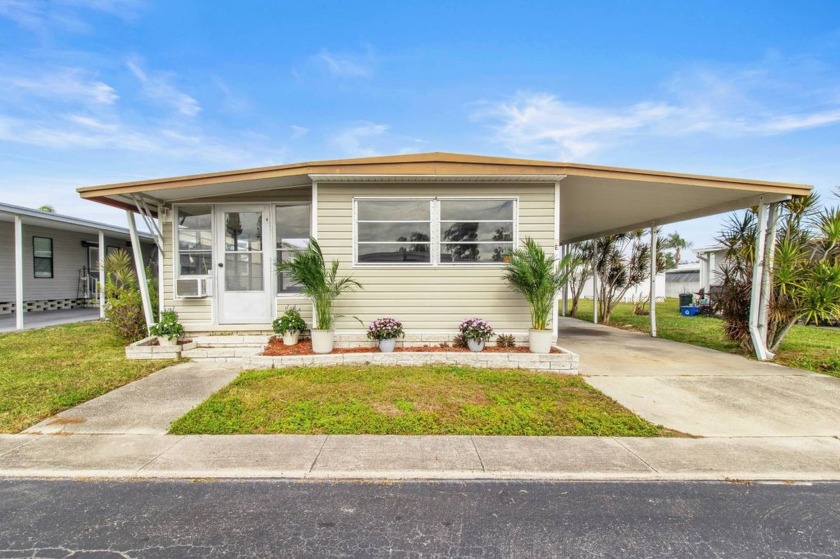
(347, 65)
(158, 87)
(355, 141)
(745, 104)
(298, 131)
(60, 84)
(43, 16)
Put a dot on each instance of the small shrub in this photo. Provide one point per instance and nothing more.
(290, 321)
(385, 329)
(459, 341)
(124, 305)
(168, 326)
(476, 329)
(506, 340)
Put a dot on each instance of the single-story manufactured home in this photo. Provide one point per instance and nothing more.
(50, 261)
(425, 234)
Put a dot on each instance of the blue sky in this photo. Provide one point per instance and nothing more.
(96, 91)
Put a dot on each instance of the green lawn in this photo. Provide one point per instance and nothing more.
(411, 401)
(45, 371)
(805, 347)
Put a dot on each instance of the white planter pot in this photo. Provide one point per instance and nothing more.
(323, 341)
(475, 345)
(387, 346)
(539, 341)
(291, 338)
(164, 341)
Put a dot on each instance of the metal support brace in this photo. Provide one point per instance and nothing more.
(137, 249)
(653, 241)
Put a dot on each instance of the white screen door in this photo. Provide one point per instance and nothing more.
(243, 273)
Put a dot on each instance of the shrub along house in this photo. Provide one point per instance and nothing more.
(425, 234)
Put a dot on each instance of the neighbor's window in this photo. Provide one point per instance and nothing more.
(293, 230)
(195, 236)
(42, 257)
(393, 231)
(479, 231)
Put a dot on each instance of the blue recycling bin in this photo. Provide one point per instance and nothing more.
(689, 310)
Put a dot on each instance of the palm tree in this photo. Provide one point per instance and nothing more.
(539, 278)
(319, 283)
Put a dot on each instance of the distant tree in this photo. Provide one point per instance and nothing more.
(676, 243)
(46, 208)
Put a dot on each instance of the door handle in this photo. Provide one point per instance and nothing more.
(221, 265)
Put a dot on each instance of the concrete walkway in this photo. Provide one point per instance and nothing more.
(42, 319)
(143, 407)
(420, 457)
(701, 391)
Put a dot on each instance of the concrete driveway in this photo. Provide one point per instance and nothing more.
(701, 391)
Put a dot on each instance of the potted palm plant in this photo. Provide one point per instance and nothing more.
(323, 286)
(539, 278)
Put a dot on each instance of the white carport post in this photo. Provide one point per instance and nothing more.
(653, 241)
(594, 291)
(161, 298)
(18, 273)
(565, 253)
(766, 273)
(759, 341)
(137, 249)
(101, 253)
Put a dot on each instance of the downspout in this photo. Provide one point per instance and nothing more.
(766, 278)
(758, 341)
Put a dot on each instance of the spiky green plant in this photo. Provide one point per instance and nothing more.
(319, 282)
(538, 277)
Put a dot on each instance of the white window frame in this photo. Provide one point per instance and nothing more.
(435, 240)
(176, 245)
(273, 221)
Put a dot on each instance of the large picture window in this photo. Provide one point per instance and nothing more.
(195, 240)
(428, 231)
(293, 230)
(42, 256)
(393, 231)
(478, 231)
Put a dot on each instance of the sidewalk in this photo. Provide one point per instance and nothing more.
(420, 457)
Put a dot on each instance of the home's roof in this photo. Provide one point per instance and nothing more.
(61, 222)
(595, 200)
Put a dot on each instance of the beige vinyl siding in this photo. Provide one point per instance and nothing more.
(431, 298)
(198, 314)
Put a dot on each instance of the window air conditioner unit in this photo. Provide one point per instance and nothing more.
(192, 288)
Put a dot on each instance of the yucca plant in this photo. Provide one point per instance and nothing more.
(319, 282)
(538, 277)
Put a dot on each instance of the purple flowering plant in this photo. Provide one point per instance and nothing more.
(385, 329)
(476, 329)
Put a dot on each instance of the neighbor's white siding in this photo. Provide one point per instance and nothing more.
(68, 258)
(431, 299)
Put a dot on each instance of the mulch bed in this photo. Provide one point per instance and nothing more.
(276, 347)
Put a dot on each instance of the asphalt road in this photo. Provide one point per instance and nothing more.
(97, 519)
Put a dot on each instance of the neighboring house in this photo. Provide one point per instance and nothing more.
(425, 234)
(59, 258)
(711, 260)
(685, 278)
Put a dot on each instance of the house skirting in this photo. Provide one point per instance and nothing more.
(8, 307)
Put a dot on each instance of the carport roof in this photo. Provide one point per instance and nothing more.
(594, 200)
(62, 222)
